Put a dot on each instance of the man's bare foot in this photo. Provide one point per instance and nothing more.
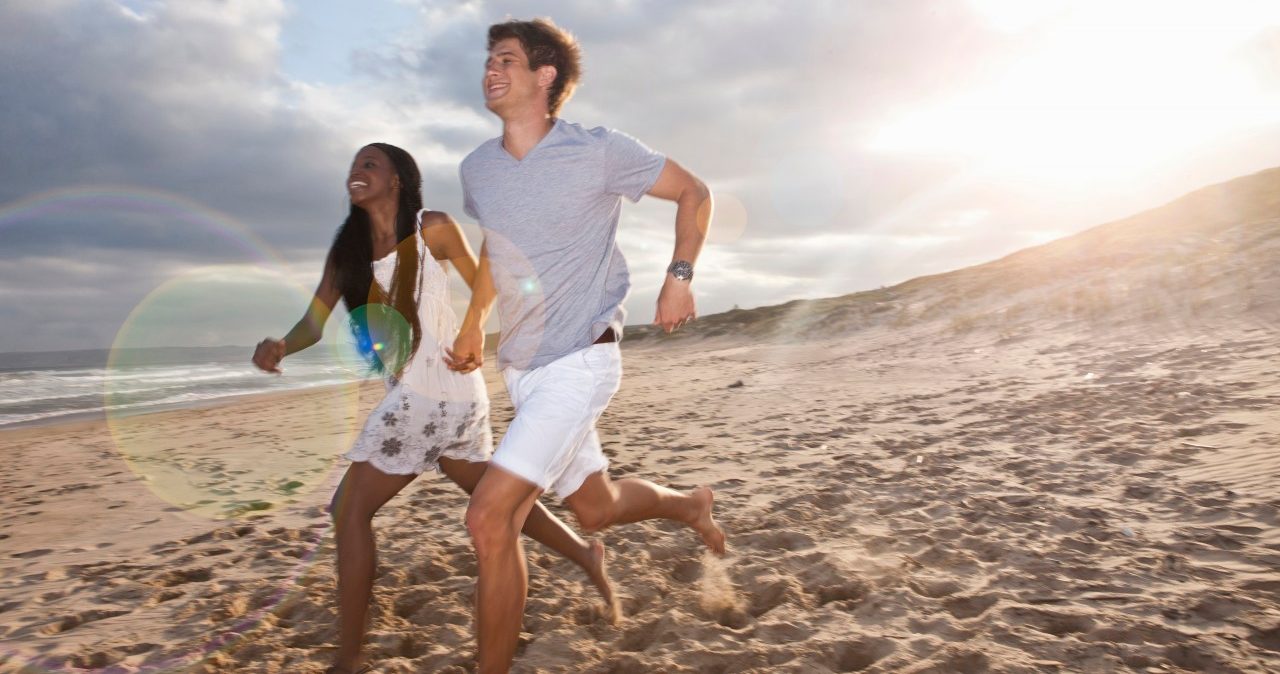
(704, 523)
(600, 576)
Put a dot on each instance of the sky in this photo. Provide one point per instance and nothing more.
(181, 165)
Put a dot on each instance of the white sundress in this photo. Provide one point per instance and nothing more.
(430, 411)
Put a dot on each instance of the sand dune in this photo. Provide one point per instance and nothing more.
(1063, 460)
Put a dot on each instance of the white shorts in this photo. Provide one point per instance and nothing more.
(552, 441)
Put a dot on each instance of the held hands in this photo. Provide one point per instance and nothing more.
(269, 354)
(467, 353)
(675, 305)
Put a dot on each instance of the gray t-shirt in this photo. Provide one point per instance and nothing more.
(550, 224)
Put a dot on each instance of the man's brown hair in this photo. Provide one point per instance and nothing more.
(546, 44)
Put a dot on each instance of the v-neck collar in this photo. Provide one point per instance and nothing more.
(541, 141)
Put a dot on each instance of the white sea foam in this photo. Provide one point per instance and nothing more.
(62, 385)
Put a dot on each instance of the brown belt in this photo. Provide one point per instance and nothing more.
(608, 336)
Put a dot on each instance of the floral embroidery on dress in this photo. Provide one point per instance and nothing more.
(392, 446)
(433, 454)
(395, 447)
(450, 411)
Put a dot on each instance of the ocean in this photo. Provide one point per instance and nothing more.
(52, 386)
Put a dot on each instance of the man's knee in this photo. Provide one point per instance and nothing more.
(593, 521)
(593, 514)
(595, 503)
(489, 527)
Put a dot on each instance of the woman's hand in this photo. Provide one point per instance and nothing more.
(269, 354)
(467, 353)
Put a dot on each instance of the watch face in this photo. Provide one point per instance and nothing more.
(683, 271)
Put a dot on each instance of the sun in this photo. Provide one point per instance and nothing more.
(1100, 94)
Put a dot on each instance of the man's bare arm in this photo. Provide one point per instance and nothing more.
(693, 218)
(467, 353)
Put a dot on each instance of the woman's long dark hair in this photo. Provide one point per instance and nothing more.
(352, 258)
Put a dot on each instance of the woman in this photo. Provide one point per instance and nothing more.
(389, 255)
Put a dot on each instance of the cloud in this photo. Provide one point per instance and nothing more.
(179, 109)
(183, 99)
(202, 106)
(769, 97)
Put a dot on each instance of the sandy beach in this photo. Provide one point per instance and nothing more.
(1062, 461)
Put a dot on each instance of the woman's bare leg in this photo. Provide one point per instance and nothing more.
(363, 490)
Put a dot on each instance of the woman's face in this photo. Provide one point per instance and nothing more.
(372, 178)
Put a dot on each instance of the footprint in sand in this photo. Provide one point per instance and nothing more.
(28, 554)
(857, 655)
(773, 591)
(73, 621)
(972, 606)
(183, 576)
(1267, 638)
(778, 540)
(934, 588)
(1056, 623)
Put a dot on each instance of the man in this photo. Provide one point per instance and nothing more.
(548, 195)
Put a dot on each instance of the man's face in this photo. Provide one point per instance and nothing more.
(508, 83)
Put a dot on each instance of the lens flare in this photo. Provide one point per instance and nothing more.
(252, 455)
(255, 454)
(373, 340)
(728, 219)
(95, 203)
(517, 274)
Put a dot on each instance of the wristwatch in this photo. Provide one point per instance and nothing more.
(682, 270)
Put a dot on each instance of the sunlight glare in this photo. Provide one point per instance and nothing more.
(1102, 95)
